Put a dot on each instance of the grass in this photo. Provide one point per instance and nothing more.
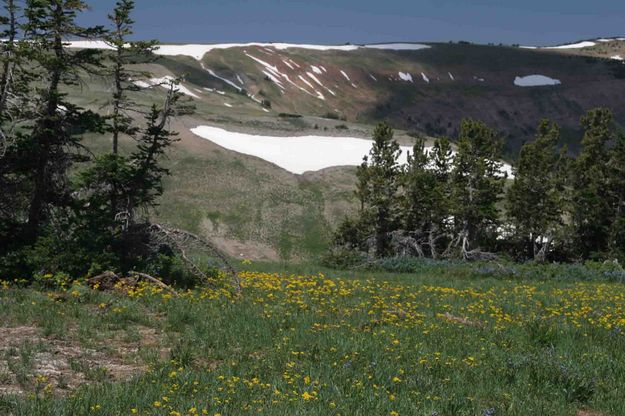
(438, 341)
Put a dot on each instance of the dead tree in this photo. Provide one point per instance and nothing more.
(183, 241)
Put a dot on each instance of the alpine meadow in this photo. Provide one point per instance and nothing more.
(264, 228)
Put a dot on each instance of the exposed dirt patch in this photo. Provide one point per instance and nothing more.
(30, 362)
(460, 320)
(589, 413)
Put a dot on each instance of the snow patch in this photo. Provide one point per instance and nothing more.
(306, 82)
(287, 63)
(451, 76)
(535, 81)
(227, 81)
(404, 76)
(617, 57)
(398, 46)
(373, 78)
(296, 154)
(425, 77)
(166, 83)
(579, 45)
(345, 75)
(316, 70)
(228, 105)
(198, 51)
(299, 154)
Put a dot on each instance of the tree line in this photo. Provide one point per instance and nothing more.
(456, 201)
(61, 206)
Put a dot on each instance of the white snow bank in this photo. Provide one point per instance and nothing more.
(404, 76)
(425, 77)
(165, 82)
(227, 81)
(299, 154)
(398, 46)
(579, 45)
(198, 51)
(345, 75)
(617, 57)
(535, 81)
(316, 70)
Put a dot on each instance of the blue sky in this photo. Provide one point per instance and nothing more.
(539, 22)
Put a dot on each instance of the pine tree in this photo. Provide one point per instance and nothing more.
(419, 184)
(53, 143)
(592, 206)
(616, 166)
(441, 165)
(478, 184)
(379, 182)
(125, 54)
(535, 201)
(9, 61)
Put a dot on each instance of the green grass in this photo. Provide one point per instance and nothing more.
(444, 339)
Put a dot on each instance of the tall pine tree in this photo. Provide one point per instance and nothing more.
(592, 206)
(534, 201)
(378, 186)
(53, 143)
(478, 184)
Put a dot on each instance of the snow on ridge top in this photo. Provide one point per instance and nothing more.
(535, 81)
(617, 58)
(579, 45)
(198, 51)
(398, 46)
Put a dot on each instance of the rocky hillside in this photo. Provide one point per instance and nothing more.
(254, 204)
(426, 88)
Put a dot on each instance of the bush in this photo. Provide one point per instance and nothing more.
(343, 258)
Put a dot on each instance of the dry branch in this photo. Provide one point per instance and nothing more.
(181, 240)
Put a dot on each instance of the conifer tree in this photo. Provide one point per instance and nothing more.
(419, 185)
(379, 182)
(477, 182)
(592, 206)
(55, 135)
(616, 166)
(535, 201)
(441, 165)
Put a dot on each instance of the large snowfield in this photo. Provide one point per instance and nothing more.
(299, 154)
(197, 51)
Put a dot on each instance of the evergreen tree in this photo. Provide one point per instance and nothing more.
(592, 206)
(534, 201)
(478, 183)
(53, 143)
(441, 165)
(125, 54)
(419, 184)
(378, 185)
(616, 166)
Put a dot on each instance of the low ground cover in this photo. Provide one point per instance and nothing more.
(439, 341)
